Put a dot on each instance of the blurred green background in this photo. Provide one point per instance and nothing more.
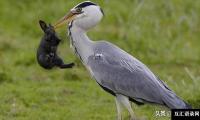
(164, 34)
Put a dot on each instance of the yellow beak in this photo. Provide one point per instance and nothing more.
(65, 20)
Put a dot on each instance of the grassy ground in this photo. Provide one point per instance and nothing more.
(164, 34)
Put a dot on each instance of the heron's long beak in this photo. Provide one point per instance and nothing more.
(66, 19)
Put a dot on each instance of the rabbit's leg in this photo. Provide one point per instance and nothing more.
(70, 65)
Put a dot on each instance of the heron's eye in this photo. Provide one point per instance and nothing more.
(79, 10)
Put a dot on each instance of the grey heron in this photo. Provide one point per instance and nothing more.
(116, 71)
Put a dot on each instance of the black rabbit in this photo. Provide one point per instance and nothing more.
(46, 53)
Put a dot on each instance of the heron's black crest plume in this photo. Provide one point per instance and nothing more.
(102, 11)
(85, 4)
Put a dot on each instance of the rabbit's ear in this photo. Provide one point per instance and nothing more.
(43, 25)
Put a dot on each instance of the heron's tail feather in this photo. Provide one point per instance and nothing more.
(172, 101)
(188, 106)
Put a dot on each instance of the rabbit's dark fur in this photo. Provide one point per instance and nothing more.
(46, 53)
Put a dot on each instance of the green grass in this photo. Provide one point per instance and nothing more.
(164, 34)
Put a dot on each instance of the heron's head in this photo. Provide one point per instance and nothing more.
(84, 15)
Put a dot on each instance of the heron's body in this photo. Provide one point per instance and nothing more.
(120, 73)
(115, 70)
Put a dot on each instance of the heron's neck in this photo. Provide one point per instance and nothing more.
(80, 42)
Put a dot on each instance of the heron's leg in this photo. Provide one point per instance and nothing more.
(125, 101)
(119, 109)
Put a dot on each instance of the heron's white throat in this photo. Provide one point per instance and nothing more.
(80, 42)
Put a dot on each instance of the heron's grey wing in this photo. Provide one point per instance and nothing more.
(119, 72)
(114, 75)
